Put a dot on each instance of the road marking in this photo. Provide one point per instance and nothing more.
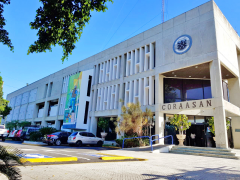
(84, 158)
(28, 149)
(49, 150)
(67, 151)
(94, 155)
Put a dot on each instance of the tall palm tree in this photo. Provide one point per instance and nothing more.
(9, 159)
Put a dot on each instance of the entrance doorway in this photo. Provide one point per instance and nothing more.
(111, 134)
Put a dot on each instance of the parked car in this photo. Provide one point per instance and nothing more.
(3, 132)
(25, 134)
(12, 134)
(17, 135)
(80, 138)
(57, 138)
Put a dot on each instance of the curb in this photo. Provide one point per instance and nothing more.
(34, 143)
(115, 147)
(116, 157)
(58, 159)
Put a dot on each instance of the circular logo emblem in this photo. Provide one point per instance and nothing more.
(182, 44)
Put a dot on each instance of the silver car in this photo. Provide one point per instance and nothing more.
(80, 138)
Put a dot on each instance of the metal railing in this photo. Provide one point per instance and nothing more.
(150, 139)
(159, 138)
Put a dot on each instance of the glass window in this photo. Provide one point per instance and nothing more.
(91, 135)
(191, 119)
(207, 89)
(200, 119)
(2, 127)
(74, 134)
(83, 134)
(172, 90)
(192, 89)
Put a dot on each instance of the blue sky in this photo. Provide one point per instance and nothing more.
(122, 20)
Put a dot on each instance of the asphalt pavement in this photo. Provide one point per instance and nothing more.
(85, 154)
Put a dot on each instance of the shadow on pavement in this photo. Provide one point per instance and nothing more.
(202, 173)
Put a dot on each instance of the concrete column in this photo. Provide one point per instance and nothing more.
(145, 92)
(111, 69)
(118, 67)
(104, 72)
(131, 92)
(151, 90)
(134, 90)
(98, 105)
(234, 89)
(219, 111)
(159, 116)
(125, 96)
(109, 96)
(100, 74)
(142, 57)
(151, 56)
(132, 70)
(102, 99)
(140, 91)
(93, 126)
(116, 96)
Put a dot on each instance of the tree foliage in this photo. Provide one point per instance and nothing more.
(180, 121)
(212, 126)
(4, 109)
(133, 119)
(103, 123)
(10, 157)
(4, 35)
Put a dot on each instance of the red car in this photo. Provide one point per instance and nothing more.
(17, 135)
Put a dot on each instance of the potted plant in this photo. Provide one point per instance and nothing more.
(103, 123)
(181, 123)
(212, 127)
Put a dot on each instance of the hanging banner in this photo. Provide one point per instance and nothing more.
(72, 101)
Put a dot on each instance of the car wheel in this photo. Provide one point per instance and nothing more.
(99, 144)
(3, 139)
(79, 143)
(58, 142)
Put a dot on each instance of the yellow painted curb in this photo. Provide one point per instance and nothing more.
(112, 147)
(116, 158)
(58, 159)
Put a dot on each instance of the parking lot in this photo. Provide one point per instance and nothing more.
(85, 154)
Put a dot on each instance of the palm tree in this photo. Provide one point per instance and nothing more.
(10, 158)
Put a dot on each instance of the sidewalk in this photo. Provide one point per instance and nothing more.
(158, 166)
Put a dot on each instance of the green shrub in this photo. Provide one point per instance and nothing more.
(35, 136)
(47, 130)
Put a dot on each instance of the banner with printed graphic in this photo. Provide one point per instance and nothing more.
(72, 101)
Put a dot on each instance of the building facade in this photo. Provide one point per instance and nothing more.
(186, 65)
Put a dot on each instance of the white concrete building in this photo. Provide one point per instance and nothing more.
(186, 65)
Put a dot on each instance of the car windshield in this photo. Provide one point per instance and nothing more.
(74, 134)
(1, 127)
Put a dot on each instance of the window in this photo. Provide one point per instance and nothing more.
(83, 134)
(45, 91)
(89, 85)
(50, 89)
(86, 112)
(74, 134)
(178, 90)
(91, 135)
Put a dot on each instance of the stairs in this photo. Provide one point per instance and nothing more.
(204, 151)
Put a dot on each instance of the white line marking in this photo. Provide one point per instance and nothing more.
(49, 150)
(84, 158)
(67, 151)
(28, 149)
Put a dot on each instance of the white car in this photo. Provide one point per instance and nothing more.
(80, 138)
(3, 132)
